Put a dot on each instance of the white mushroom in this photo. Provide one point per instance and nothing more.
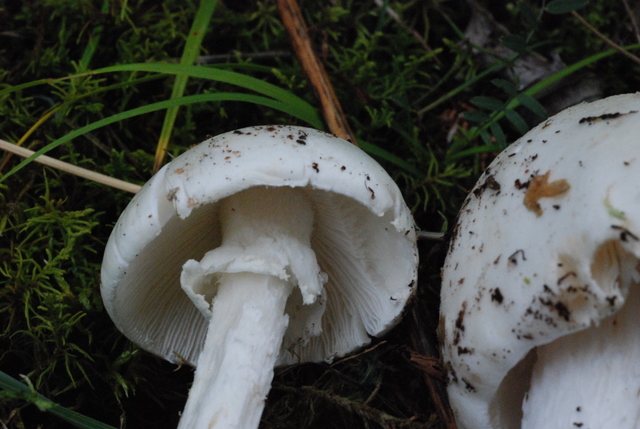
(260, 247)
(540, 316)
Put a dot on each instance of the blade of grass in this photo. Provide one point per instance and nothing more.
(389, 157)
(189, 56)
(225, 76)
(303, 110)
(191, 99)
(474, 151)
(12, 385)
(50, 113)
(94, 41)
(31, 130)
(494, 68)
(536, 88)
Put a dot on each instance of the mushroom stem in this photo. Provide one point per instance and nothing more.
(265, 253)
(235, 367)
(589, 379)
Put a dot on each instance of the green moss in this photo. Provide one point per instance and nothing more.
(49, 293)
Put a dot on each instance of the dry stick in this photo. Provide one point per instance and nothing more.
(427, 235)
(39, 122)
(394, 16)
(72, 169)
(366, 412)
(426, 352)
(632, 17)
(608, 41)
(314, 70)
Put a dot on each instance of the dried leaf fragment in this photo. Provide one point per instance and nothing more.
(539, 187)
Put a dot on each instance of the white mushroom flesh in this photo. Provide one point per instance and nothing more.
(265, 253)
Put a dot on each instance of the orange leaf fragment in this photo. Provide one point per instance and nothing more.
(539, 187)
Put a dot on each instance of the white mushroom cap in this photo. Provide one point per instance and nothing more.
(546, 245)
(363, 237)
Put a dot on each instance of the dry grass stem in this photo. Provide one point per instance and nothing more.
(69, 168)
(632, 18)
(608, 41)
(367, 413)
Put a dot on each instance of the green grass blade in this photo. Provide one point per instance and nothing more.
(303, 108)
(536, 88)
(558, 7)
(380, 153)
(94, 41)
(494, 68)
(22, 390)
(191, 99)
(224, 76)
(189, 55)
(474, 151)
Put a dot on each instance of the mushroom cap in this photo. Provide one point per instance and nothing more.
(546, 244)
(364, 240)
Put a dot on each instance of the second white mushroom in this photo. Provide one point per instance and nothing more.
(541, 286)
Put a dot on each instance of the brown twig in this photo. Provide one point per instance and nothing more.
(355, 356)
(425, 357)
(632, 17)
(394, 16)
(608, 41)
(293, 21)
(429, 365)
(364, 411)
